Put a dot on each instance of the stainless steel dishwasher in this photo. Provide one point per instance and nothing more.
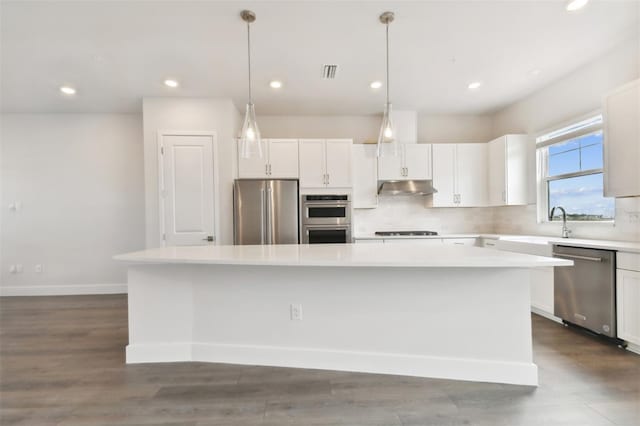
(585, 293)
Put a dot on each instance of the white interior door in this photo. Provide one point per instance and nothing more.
(187, 189)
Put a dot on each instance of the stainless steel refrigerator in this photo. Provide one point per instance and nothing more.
(265, 211)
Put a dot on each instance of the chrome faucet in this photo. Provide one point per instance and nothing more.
(565, 231)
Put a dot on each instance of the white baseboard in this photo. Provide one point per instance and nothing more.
(63, 290)
(546, 314)
(632, 347)
(476, 370)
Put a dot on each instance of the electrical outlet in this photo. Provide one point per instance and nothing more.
(19, 268)
(38, 268)
(296, 311)
(12, 269)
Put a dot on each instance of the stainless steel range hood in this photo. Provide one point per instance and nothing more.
(406, 187)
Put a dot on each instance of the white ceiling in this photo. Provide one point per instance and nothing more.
(117, 52)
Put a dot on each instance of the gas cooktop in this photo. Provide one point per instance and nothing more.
(405, 233)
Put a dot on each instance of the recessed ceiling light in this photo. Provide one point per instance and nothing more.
(275, 84)
(68, 90)
(376, 84)
(574, 5)
(171, 83)
(534, 72)
(475, 85)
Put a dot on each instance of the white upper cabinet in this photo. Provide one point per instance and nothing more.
(460, 175)
(471, 174)
(325, 163)
(444, 171)
(365, 176)
(279, 160)
(412, 162)
(622, 141)
(508, 170)
(283, 158)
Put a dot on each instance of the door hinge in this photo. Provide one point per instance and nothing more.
(161, 150)
(164, 237)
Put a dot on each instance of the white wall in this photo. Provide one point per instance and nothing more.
(361, 128)
(190, 114)
(443, 128)
(79, 179)
(578, 93)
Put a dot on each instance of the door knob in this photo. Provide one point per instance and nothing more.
(209, 238)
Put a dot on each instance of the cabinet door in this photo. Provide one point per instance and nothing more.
(444, 175)
(628, 305)
(283, 158)
(253, 167)
(622, 142)
(542, 289)
(516, 169)
(365, 176)
(471, 174)
(417, 160)
(312, 163)
(390, 166)
(338, 163)
(497, 172)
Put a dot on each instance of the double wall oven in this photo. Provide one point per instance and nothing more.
(325, 218)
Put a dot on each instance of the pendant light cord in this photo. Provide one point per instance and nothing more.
(249, 58)
(387, 24)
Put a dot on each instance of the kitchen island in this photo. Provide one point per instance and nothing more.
(447, 312)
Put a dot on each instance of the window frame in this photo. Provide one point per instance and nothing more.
(542, 160)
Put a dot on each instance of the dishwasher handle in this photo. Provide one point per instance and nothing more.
(575, 256)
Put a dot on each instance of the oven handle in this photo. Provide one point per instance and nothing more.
(308, 228)
(575, 256)
(319, 204)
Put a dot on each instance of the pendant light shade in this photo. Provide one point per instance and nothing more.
(250, 141)
(387, 133)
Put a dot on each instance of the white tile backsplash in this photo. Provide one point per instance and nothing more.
(524, 220)
(408, 213)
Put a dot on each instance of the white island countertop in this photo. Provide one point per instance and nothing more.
(342, 255)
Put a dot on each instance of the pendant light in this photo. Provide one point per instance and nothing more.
(387, 131)
(250, 141)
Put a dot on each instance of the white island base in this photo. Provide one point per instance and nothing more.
(403, 315)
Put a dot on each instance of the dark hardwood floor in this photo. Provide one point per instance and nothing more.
(62, 363)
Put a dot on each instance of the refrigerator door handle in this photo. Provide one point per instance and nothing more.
(269, 196)
(262, 223)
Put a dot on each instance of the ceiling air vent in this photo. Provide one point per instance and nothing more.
(329, 72)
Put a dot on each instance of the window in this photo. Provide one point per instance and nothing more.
(570, 171)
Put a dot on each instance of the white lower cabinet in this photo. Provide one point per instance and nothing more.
(542, 298)
(628, 298)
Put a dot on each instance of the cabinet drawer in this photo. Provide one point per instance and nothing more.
(459, 241)
(628, 261)
(415, 241)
